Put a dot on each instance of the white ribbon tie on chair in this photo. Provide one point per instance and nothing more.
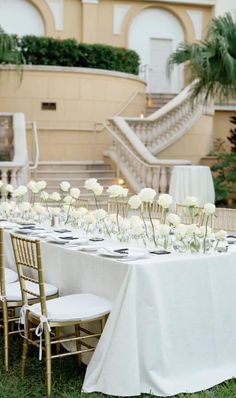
(39, 333)
(39, 330)
(2, 298)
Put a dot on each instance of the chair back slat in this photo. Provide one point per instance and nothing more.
(154, 209)
(27, 253)
(184, 213)
(2, 266)
(225, 219)
(118, 205)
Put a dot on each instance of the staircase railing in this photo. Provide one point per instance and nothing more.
(169, 123)
(136, 163)
(16, 171)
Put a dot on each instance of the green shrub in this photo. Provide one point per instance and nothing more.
(49, 51)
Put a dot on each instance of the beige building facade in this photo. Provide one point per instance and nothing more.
(85, 99)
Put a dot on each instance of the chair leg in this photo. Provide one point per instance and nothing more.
(6, 335)
(78, 343)
(58, 345)
(48, 361)
(25, 346)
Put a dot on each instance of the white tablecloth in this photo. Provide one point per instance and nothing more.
(172, 328)
(192, 181)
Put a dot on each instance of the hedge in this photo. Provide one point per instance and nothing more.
(49, 51)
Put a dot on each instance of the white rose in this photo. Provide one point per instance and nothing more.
(44, 196)
(124, 192)
(55, 196)
(114, 191)
(97, 190)
(221, 235)
(173, 219)
(164, 230)
(165, 200)
(90, 184)
(9, 188)
(69, 200)
(65, 186)
(134, 202)
(181, 231)
(209, 208)
(191, 201)
(1, 184)
(75, 192)
(99, 214)
(147, 195)
(41, 185)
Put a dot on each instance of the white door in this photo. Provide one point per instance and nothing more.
(159, 81)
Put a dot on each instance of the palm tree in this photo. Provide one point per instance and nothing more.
(213, 61)
(9, 51)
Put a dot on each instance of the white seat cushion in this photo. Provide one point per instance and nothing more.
(10, 276)
(13, 292)
(75, 307)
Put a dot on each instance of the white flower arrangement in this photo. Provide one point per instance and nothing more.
(134, 202)
(165, 201)
(173, 219)
(64, 186)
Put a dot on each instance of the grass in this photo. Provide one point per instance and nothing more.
(67, 381)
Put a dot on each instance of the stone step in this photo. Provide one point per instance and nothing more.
(72, 175)
(72, 166)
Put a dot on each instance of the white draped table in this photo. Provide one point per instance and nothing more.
(172, 328)
(192, 181)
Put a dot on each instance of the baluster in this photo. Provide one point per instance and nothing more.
(4, 176)
(156, 178)
(163, 180)
(13, 178)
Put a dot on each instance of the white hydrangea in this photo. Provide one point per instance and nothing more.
(89, 218)
(113, 218)
(99, 214)
(221, 235)
(44, 196)
(202, 231)
(90, 184)
(134, 202)
(5, 207)
(24, 206)
(55, 196)
(209, 208)
(65, 186)
(69, 200)
(1, 184)
(9, 188)
(191, 201)
(39, 209)
(181, 231)
(147, 195)
(41, 185)
(82, 211)
(75, 193)
(173, 219)
(165, 200)
(125, 224)
(192, 229)
(115, 191)
(55, 211)
(98, 190)
(20, 191)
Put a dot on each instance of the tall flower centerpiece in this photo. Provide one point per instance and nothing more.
(117, 192)
(147, 195)
(165, 201)
(192, 204)
(92, 184)
(209, 212)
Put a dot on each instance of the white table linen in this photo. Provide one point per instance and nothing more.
(192, 181)
(172, 327)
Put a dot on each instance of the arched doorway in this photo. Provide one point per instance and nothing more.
(21, 17)
(154, 34)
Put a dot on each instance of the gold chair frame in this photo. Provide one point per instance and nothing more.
(27, 254)
(155, 210)
(183, 212)
(118, 205)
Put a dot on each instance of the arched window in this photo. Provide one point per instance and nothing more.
(21, 17)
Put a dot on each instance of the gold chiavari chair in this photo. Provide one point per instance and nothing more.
(72, 310)
(118, 205)
(225, 219)
(82, 203)
(154, 208)
(183, 212)
(11, 300)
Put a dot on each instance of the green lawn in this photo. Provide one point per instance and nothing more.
(67, 380)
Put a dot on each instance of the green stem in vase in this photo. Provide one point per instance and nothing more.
(68, 212)
(153, 229)
(205, 236)
(144, 223)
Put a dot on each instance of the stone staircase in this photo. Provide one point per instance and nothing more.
(156, 101)
(76, 173)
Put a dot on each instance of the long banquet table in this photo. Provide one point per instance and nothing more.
(172, 328)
